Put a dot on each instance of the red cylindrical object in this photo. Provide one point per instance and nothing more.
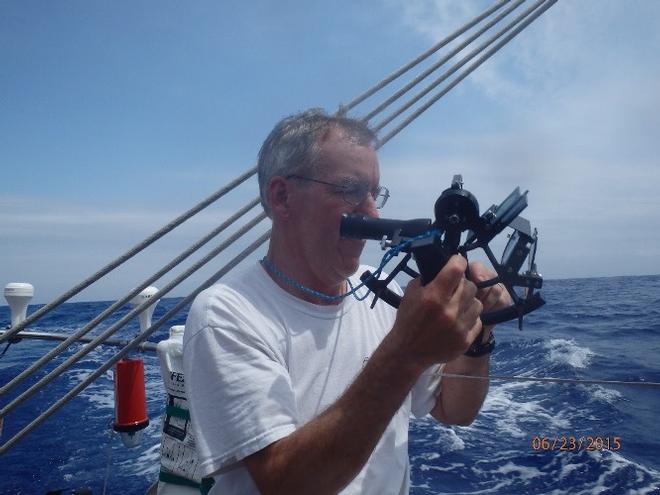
(130, 397)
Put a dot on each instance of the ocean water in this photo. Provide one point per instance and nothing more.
(530, 437)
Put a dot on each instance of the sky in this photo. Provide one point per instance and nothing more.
(117, 116)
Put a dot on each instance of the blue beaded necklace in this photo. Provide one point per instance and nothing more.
(270, 267)
(389, 254)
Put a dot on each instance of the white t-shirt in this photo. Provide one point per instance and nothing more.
(260, 362)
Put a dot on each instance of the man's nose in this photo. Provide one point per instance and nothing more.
(368, 207)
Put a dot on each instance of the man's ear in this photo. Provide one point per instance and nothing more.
(278, 196)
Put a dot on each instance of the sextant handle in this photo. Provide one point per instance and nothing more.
(380, 289)
(512, 312)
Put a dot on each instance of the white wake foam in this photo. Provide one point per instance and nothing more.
(568, 352)
(516, 414)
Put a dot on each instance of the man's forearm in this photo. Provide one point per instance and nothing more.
(324, 455)
(461, 398)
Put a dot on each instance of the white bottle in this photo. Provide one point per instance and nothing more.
(178, 457)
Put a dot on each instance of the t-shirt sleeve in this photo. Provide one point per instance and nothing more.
(239, 391)
(426, 390)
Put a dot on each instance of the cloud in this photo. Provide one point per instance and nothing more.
(571, 42)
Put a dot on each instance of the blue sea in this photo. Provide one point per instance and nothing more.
(529, 438)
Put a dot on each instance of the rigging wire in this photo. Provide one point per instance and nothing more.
(133, 343)
(129, 254)
(130, 315)
(440, 62)
(531, 14)
(578, 381)
(444, 76)
(145, 346)
(343, 109)
(111, 309)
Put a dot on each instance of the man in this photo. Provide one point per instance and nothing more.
(296, 389)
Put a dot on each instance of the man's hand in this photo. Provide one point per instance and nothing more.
(437, 322)
(494, 297)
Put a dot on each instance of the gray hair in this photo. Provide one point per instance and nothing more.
(292, 148)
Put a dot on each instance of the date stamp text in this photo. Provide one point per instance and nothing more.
(572, 443)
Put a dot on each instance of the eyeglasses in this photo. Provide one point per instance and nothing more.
(354, 191)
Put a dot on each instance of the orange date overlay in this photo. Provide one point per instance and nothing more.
(571, 443)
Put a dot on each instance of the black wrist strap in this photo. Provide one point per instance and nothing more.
(479, 348)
